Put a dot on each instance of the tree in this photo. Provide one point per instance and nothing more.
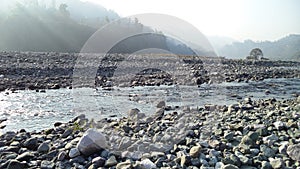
(256, 53)
(63, 10)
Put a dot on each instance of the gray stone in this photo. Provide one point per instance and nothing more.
(43, 148)
(266, 165)
(270, 139)
(78, 159)
(91, 142)
(229, 166)
(133, 112)
(67, 133)
(247, 140)
(294, 152)
(147, 164)
(253, 135)
(159, 112)
(61, 156)
(219, 165)
(161, 104)
(74, 152)
(111, 161)
(267, 151)
(229, 136)
(31, 143)
(47, 164)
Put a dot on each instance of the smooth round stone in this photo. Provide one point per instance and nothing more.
(43, 148)
(74, 152)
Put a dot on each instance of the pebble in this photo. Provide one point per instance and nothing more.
(74, 152)
(241, 139)
(195, 151)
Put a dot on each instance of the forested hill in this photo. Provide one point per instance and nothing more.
(287, 48)
(50, 27)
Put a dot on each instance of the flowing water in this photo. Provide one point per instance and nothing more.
(33, 110)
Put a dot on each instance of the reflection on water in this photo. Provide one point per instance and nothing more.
(34, 110)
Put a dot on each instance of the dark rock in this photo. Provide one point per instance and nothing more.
(99, 161)
(31, 144)
(43, 148)
(15, 164)
(67, 133)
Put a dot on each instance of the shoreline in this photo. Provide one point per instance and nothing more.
(38, 71)
(257, 134)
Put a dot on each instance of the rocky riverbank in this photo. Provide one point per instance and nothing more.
(27, 70)
(249, 134)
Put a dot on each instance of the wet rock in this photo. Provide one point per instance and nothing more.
(91, 142)
(267, 151)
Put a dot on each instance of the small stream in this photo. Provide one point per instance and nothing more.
(33, 110)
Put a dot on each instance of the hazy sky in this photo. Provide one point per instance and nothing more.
(239, 19)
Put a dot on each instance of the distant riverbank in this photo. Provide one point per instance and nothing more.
(19, 71)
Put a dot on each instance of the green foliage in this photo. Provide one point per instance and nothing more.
(77, 127)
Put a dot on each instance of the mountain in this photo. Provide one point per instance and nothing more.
(287, 48)
(218, 42)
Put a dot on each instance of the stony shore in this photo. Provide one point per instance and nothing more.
(249, 134)
(27, 70)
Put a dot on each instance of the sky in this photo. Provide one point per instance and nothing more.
(258, 20)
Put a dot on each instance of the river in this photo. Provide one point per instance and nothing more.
(31, 110)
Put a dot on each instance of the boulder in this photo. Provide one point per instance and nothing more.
(91, 142)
